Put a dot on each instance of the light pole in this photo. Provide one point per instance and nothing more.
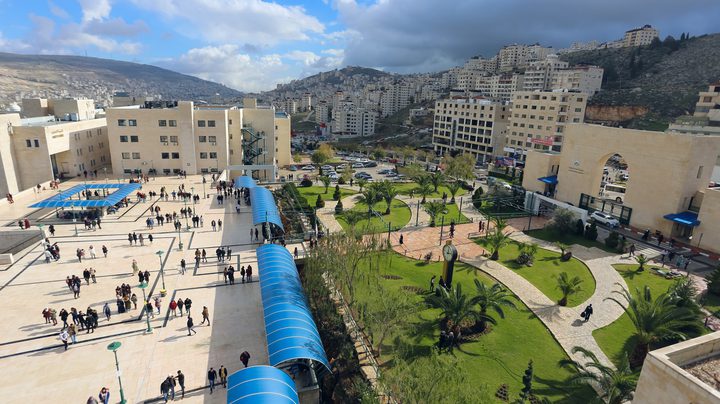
(187, 224)
(180, 243)
(163, 292)
(114, 346)
(192, 195)
(75, 222)
(144, 286)
(204, 181)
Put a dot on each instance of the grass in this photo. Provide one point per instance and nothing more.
(545, 270)
(311, 193)
(711, 303)
(451, 214)
(569, 239)
(498, 357)
(406, 187)
(616, 339)
(399, 216)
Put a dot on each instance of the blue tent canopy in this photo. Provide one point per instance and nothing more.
(261, 384)
(290, 328)
(684, 218)
(62, 200)
(552, 179)
(244, 182)
(264, 208)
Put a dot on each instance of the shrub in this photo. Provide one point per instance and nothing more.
(306, 182)
(612, 240)
(562, 222)
(714, 282)
(579, 227)
(477, 198)
(337, 194)
(591, 232)
(341, 181)
(339, 208)
(319, 203)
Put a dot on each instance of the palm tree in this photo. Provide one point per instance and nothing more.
(388, 192)
(497, 239)
(494, 297)
(437, 178)
(326, 181)
(616, 386)
(562, 247)
(361, 182)
(455, 307)
(434, 209)
(656, 320)
(453, 187)
(424, 187)
(370, 197)
(568, 286)
(642, 260)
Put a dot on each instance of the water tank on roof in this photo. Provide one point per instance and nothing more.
(74, 117)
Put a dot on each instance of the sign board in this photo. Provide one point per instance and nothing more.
(546, 141)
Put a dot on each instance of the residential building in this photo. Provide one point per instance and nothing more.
(306, 102)
(585, 79)
(124, 99)
(171, 137)
(538, 120)
(539, 74)
(322, 112)
(515, 56)
(39, 149)
(500, 87)
(473, 125)
(640, 36)
(479, 63)
(353, 121)
(706, 118)
(396, 97)
(709, 101)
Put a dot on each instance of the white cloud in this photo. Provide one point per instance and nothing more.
(95, 9)
(256, 22)
(116, 27)
(58, 11)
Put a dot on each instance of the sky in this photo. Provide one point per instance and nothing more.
(252, 45)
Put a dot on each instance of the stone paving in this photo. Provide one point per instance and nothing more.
(32, 348)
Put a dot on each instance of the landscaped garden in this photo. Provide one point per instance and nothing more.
(545, 271)
(311, 193)
(377, 222)
(407, 188)
(568, 238)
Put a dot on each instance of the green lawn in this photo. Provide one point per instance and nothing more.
(711, 303)
(451, 214)
(399, 216)
(311, 193)
(569, 239)
(615, 339)
(406, 187)
(498, 357)
(545, 270)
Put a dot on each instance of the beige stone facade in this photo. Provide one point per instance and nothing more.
(538, 120)
(669, 173)
(471, 125)
(640, 36)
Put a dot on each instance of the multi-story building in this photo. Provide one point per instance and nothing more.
(306, 102)
(350, 120)
(706, 118)
(538, 120)
(396, 97)
(709, 101)
(585, 79)
(172, 137)
(481, 64)
(514, 56)
(322, 112)
(640, 36)
(471, 125)
(539, 74)
(39, 149)
(500, 87)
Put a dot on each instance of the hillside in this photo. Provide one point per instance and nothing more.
(664, 77)
(78, 76)
(331, 78)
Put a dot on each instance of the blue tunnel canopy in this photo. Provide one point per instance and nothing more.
(62, 200)
(264, 208)
(244, 182)
(261, 384)
(289, 325)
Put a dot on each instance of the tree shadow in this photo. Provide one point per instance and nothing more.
(631, 274)
(572, 394)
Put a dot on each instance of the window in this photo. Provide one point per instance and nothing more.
(212, 139)
(174, 139)
(121, 122)
(175, 155)
(165, 156)
(172, 123)
(163, 139)
(126, 156)
(123, 139)
(202, 139)
(201, 124)
(213, 155)
(136, 156)
(28, 143)
(211, 124)
(132, 122)
(134, 139)
(229, 121)
(203, 155)
(578, 109)
(162, 122)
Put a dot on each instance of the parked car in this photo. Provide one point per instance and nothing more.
(358, 165)
(293, 168)
(391, 174)
(370, 164)
(384, 171)
(327, 167)
(342, 166)
(309, 168)
(334, 176)
(605, 219)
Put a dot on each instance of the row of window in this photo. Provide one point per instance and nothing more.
(30, 143)
(127, 122)
(167, 123)
(164, 139)
(171, 123)
(210, 124)
(168, 156)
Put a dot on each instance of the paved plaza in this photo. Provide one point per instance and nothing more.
(32, 349)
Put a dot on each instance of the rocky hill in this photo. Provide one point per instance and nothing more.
(24, 76)
(348, 77)
(663, 78)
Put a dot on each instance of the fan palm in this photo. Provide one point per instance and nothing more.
(494, 297)
(496, 240)
(424, 187)
(455, 307)
(568, 286)
(562, 247)
(453, 187)
(361, 182)
(616, 386)
(326, 182)
(437, 178)
(388, 193)
(434, 209)
(642, 260)
(656, 320)
(369, 196)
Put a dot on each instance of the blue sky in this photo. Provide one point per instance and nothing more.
(252, 45)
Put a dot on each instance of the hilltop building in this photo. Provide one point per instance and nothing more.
(640, 36)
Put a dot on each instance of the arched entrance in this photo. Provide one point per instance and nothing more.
(612, 177)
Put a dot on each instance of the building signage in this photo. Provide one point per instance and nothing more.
(547, 141)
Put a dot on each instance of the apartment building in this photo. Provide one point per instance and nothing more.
(472, 125)
(538, 120)
(584, 79)
(306, 102)
(171, 137)
(322, 112)
(640, 36)
(38, 149)
(514, 56)
(539, 74)
(709, 101)
(500, 87)
(481, 64)
(350, 120)
(396, 97)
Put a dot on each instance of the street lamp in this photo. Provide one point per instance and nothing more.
(180, 243)
(144, 286)
(75, 222)
(192, 195)
(187, 225)
(163, 292)
(114, 346)
(204, 181)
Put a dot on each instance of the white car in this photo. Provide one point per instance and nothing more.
(358, 165)
(605, 219)
(327, 167)
(309, 168)
(334, 176)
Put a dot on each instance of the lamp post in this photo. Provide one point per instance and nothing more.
(187, 224)
(114, 346)
(163, 292)
(204, 181)
(180, 243)
(192, 195)
(75, 222)
(144, 286)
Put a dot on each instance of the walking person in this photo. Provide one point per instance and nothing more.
(64, 336)
(190, 326)
(222, 373)
(245, 358)
(587, 312)
(188, 304)
(205, 315)
(173, 307)
(106, 311)
(92, 252)
(631, 250)
(165, 389)
(104, 250)
(182, 266)
(135, 268)
(225, 275)
(157, 304)
(242, 273)
(180, 304)
(214, 225)
(248, 272)
(181, 382)
(146, 276)
(72, 332)
(204, 255)
(134, 300)
(231, 275)
(219, 224)
(212, 375)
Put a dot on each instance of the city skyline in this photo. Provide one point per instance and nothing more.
(253, 45)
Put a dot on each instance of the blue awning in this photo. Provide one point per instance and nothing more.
(684, 218)
(62, 200)
(244, 182)
(264, 208)
(289, 325)
(261, 384)
(552, 179)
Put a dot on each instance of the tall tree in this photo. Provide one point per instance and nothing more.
(437, 178)
(495, 298)
(424, 187)
(388, 192)
(453, 187)
(434, 209)
(568, 286)
(370, 196)
(325, 181)
(614, 386)
(461, 166)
